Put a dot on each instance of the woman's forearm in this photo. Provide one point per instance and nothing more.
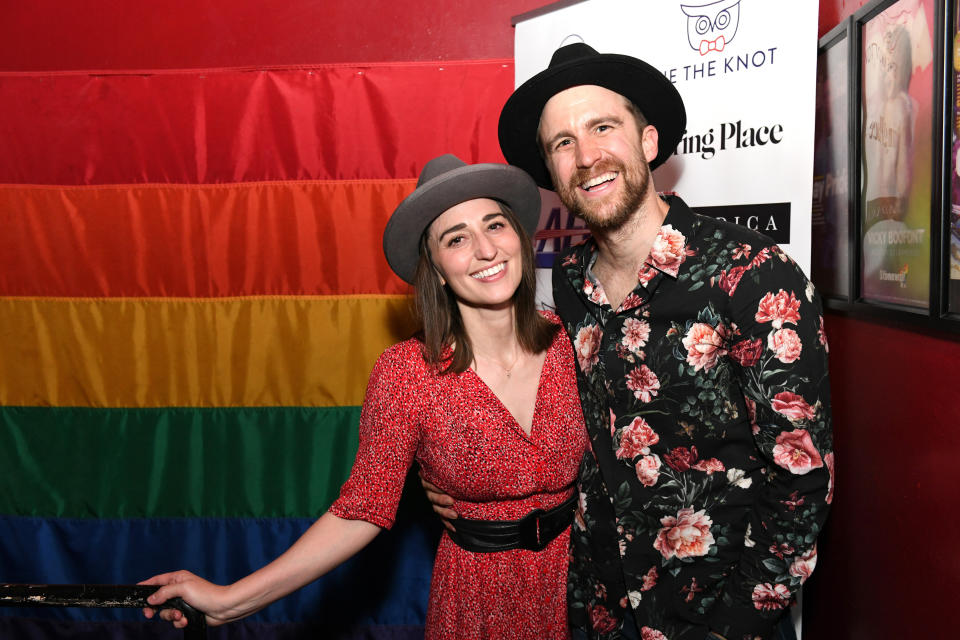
(326, 544)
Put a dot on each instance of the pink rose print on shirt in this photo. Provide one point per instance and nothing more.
(795, 452)
(578, 514)
(680, 458)
(594, 293)
(785, 345)
(752, 414)
(729, 280)
(667, 252)
(643, 382)
(828, 460)
(635, 334)
(804, 565)
(704, 345)
(646, 274)
(792, 406)
(747, 352)
(779, 309)
(632, 300)
(646, 633)
(709, 466)
(650, 579)
(762, 256)
(685, 536)
(635, 440)
(768, 597)
(648, 470)
(587, 346)
(601, 620)
(822, 336)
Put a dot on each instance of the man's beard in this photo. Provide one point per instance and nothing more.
(636, 183)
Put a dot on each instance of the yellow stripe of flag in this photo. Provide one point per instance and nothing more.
(210, 352)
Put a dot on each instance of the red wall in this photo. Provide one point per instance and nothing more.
(105, 34)
(889, 565)
(888, 560)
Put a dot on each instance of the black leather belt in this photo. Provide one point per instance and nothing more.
(533, 531)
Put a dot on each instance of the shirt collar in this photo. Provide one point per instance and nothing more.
(669, 248)
(667, 254)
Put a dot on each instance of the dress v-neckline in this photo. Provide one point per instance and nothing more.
(536, 399)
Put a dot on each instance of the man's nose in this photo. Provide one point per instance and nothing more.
(588, 152)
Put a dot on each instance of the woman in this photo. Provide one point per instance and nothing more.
(485, 399)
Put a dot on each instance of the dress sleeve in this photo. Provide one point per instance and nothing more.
(389, 436)
(780, 355)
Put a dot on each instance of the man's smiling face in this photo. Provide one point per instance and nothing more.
(596, 154)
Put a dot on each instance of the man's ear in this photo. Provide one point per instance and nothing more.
(650, 141)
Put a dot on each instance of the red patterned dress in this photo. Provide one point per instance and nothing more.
(470, 445)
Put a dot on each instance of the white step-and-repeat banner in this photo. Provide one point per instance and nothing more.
(747, 72)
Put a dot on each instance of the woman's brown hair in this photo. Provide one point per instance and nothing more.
(439, 315)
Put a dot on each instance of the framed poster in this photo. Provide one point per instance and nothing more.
(896, 152)
(952, 212)
(831, 211)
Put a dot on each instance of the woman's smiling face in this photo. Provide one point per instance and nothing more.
(477, 252)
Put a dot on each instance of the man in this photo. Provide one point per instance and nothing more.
(701, 369)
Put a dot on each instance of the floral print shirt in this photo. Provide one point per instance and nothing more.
(706, 399)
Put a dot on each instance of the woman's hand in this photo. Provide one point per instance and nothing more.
(211, 599)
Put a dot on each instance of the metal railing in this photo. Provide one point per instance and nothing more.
(101, 596)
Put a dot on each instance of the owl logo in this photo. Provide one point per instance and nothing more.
(711, 26)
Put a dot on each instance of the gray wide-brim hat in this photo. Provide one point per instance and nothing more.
(579, 64)
(446, 181)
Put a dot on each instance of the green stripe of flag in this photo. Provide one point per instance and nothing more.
(174, 462)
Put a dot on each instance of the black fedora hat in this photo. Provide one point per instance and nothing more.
(446, 181)
(579, 64)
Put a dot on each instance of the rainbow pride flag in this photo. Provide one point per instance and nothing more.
(192, 295)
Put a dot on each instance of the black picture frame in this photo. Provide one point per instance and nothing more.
(832, 229)
(949, 221)
(935, 315)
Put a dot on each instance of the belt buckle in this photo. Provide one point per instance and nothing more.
(530, 531)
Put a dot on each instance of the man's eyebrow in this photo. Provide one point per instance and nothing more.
(590, 124)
